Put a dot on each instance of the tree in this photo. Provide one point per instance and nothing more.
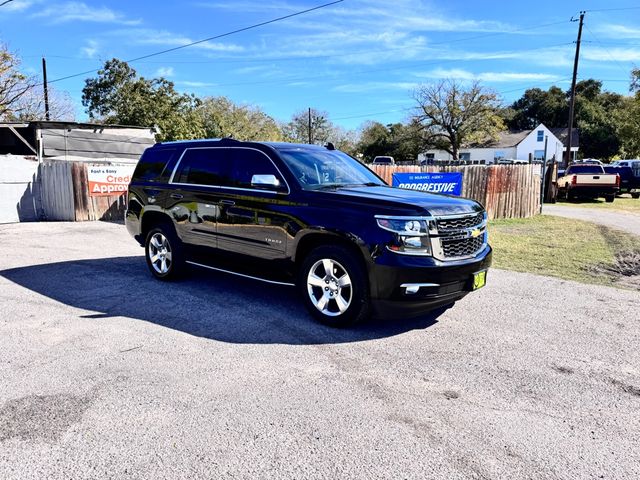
(537, 106)
(119, 96)
(375, 140)
(402, 141)
(13, 84)
(451, 116)
(297, 130)
(31, 105)
(634, 86)
(594, 115)
(220, 118)
(627, 121)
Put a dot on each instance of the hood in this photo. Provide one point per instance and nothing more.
(413, 202)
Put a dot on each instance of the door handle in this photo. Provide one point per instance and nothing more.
(227, 202)
(177, 196)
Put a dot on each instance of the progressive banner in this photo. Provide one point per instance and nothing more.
(449, 183)
(111, 180)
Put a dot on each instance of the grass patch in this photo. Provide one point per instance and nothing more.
(561, 247)
(623, 204)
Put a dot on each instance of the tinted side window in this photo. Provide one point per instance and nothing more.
(152, 163)
(203, 166)
(245, 163)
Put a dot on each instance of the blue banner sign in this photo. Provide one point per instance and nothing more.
(449, 183)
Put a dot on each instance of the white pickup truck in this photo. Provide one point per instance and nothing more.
(588, 181)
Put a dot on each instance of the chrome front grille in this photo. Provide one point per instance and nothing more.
(456, 223)
(462, 248)
(459, 236)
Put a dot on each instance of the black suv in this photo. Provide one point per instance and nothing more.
(309, 216)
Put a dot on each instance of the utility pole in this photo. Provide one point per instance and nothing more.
(310, 126)
(572, 99)
(46, 89)
(544, 171)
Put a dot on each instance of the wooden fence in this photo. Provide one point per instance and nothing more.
(65, 195)
(506, 191)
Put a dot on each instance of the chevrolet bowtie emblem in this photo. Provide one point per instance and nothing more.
(476, 233)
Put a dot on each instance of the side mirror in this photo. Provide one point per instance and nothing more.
(268, 182)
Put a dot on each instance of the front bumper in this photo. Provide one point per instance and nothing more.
(444, 282)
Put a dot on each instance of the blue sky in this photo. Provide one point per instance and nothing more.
(358, 60)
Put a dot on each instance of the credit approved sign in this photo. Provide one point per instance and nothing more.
(109, 180)
(449, 183)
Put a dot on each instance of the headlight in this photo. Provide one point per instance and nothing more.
(411, 235)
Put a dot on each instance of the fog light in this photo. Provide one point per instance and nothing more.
(412, 289)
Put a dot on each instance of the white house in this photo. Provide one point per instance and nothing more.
(522, 145)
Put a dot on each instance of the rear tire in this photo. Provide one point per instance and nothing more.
(610, 198)
(163, 252)
(334, 286)
(635, 195)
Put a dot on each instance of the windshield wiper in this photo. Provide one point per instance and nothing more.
(327, 186)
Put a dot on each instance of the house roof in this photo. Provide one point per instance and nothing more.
(563, 134)
(510, 138)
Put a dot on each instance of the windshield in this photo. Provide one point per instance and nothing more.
(317, 169)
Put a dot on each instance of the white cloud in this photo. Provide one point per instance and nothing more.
(494, 77)
(372, 86)
(601, 54)
(250, 7)
(18, 5)
(90, 49)
(195, 84)
(145, 36)
(611, 30)
(165, 72)
(81, 12)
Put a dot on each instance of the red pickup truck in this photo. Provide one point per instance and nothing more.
(588, 181)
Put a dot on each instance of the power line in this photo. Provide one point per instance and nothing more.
(374, 70)
(363, 115)
(612, 9)
(215, 37)
(5, 2)
(607, 50)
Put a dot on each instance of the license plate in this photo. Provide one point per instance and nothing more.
(479, 279)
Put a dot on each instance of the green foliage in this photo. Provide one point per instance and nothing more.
(597, 114)
(119, 96)
(297, 129)
(401, 141)
(220, 118)
(537, 106)
(452, 116)
(322, 131)
(627, 120)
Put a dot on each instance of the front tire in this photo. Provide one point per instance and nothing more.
(334, 286)
(163, 253)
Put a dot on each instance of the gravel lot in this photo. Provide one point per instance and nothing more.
(106, 373)
(620, 220)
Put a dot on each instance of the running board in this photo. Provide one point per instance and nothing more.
(288, 284)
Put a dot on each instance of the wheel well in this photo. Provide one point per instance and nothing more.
(151, 219)
(313, 240)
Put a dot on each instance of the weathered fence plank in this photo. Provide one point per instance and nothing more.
(506, 191)
(65, 195)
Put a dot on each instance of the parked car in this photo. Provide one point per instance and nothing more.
(383, 160)
(634, 164)
(629, 178)
(588, 180)
(309, 216)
